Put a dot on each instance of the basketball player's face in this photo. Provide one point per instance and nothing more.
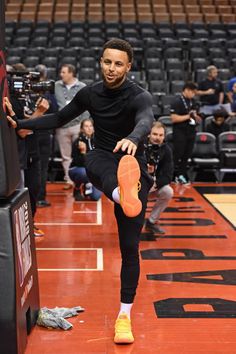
(114, 65)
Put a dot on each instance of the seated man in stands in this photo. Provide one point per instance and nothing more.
(231, 94)
(218, 125)
(77, 172)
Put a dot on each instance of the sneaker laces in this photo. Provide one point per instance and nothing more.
(122, 324)
(139, 186)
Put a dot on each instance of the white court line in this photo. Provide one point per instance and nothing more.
(99, 260)
(84, 212)
(99, 218)
(66, 223)
(99, 212)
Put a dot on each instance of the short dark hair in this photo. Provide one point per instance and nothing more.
(221, 112)
(119, 44)
(190, 85)
(70, 67)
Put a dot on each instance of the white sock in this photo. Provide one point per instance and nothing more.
(116, 195)
(125, 308)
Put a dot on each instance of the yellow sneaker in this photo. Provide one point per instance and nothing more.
(123, 331)
(128, 175)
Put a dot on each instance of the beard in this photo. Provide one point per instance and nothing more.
(116, 83)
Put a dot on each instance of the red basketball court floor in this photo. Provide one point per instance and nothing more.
(186, 300)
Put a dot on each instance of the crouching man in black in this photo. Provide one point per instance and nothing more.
(160, 165)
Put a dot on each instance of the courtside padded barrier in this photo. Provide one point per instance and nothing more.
(19, 293)
(9, 160)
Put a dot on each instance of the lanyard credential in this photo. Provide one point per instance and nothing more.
(186, 106)
(188, 109)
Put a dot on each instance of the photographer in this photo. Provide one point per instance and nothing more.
(28, 148)
(77, 171)
(45, 137)
(184, 119)
(160, 166)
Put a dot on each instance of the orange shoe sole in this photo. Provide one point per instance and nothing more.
(128, 175)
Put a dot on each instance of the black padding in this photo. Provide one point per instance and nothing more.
(19, 294)
(9, 160)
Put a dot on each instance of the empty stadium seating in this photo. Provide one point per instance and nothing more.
(173, 40)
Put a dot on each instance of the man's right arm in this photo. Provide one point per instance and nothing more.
(58, 119)
(176, 118)
(174, 113)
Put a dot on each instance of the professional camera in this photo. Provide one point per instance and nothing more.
(22, 83)
(195, 109)
(152, 154)
(194, 113)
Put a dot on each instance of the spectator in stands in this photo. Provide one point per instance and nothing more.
(231, 94)
(44, 141)
(65, 90)
(184, 119)
(218, 124)
(77, 171)
(160, 166)
(211, 92)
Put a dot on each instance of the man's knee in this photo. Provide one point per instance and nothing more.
(166, 192)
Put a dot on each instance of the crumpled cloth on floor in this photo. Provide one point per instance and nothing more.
(55, 318)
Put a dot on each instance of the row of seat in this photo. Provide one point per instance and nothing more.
(125, 17)
(143, 34)
(201, 127)
(164, 29)
(153, 11)
(211, 154)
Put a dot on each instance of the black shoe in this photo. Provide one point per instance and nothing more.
(149, 226)
(77, 195)
(43, 204)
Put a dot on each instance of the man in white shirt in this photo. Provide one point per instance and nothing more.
(65, 90)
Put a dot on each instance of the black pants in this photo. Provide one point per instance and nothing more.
(183, 142)
(32, 182)
(44, 141)
(101, 168)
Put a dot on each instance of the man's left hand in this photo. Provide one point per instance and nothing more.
(126, 145)
(198, 119)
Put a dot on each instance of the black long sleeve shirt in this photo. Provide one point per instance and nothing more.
(124, 112)
(78, 158)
